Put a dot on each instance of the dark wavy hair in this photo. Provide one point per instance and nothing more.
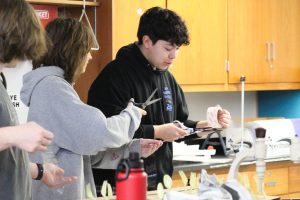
(163, 24)
(21, 33)
(69, 41)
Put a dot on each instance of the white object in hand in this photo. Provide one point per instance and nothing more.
(212, 116)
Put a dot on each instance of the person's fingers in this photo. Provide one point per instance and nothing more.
(224, 124)
(64, 181)
(160, 143)
(42, 147)
(59, 172)
(224, 119)
(71, 178)
(143, 112)
(45, 141)
(182, 133)
(131, 101)
(48, 135)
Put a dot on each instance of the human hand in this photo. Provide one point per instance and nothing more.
(169, 132)
(149, 146)
(53, 176)
(31, 137)
(142, 112)
(224, 118)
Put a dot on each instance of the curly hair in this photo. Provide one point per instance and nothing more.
(163, 24)
(68, 41)
(21, 33)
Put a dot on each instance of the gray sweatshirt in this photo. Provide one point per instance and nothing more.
(80, 131)
(15, 178)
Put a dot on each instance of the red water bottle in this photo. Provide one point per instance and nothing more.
(131, 178)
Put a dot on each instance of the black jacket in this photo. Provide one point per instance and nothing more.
(131, 76)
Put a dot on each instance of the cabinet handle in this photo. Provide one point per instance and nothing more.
(271, 184)
(268, 52)
(273, 51)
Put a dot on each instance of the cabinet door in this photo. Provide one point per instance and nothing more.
(256, 29)
(246, 40)
(284, 33)
(125, 20)
(276, 181)
(203, 61)
(294, 179)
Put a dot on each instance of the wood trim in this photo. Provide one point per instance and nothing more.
(65, 2)
(294, 180)
(237, 87)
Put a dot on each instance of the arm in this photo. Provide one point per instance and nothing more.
(111, 157)
(110, 93)
(80, 128)
(29, 137)
(224, 117)
(52, 175)
(117, 90)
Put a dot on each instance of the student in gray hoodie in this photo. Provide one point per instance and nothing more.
(20, 40)
(80, 130)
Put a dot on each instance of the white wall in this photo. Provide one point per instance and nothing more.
(198, 103)
(14, 79)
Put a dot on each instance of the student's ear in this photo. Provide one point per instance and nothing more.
(147, 42)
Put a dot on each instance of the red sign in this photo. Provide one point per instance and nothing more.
(46, 13)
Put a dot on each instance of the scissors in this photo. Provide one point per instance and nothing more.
(148, 101)
(195, 133)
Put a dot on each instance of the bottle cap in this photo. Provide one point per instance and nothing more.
(134, 160)
(260, 132)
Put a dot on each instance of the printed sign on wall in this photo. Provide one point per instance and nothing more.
(46, 13)
(14, 76)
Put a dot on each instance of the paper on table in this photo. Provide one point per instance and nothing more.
(180, 149)
(201, 159)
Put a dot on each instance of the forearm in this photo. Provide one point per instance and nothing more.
(6, 138)
(110, 158)
(33, 170)
(202, 124)
(157, 131)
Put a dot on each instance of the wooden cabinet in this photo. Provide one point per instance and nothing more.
(259, 39)
(294, 195)
(226, 31)
(203, 61)
(263, 41)
(241, 33)
(66, 2)
(294, 179)
(282, 178)
(119, 21)
(276, 181)
(125, 20)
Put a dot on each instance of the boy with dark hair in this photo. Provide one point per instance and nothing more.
(139, 69)
(163, 24)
